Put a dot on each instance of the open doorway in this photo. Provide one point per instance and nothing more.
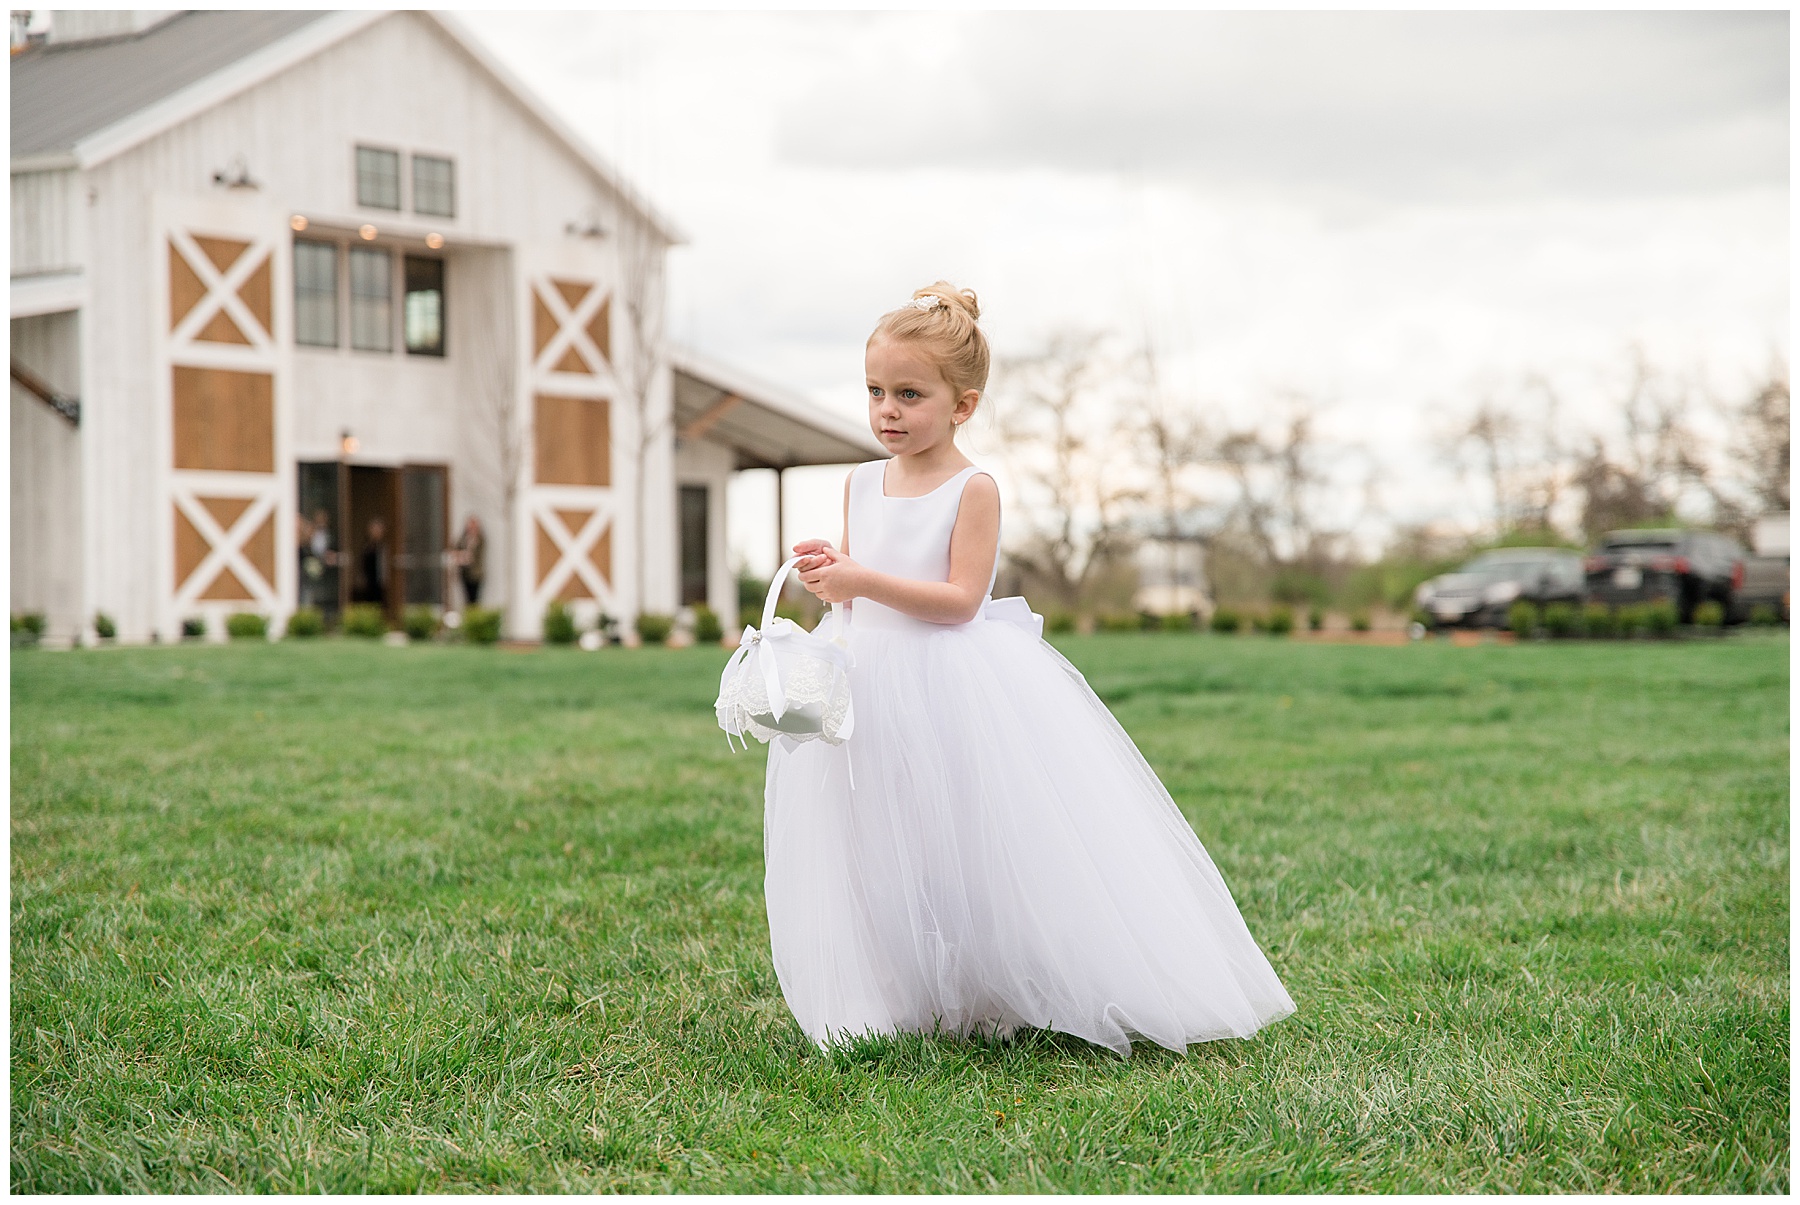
(378, 535)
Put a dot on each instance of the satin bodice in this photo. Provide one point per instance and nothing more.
(905, 537)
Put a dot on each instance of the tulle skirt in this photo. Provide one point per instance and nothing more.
(1005, 858)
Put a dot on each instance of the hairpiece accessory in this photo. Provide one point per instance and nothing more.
(927, 302)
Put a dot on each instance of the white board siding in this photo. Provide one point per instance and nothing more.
(46, 222)
(46, 479)
(122, 547)
(483, 342)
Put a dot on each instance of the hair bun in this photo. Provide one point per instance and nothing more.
(952, 297)
(941, 320)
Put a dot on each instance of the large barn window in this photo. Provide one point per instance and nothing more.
(371, 299)
(423, 314)
(315, 293)
(434, 186)
(377, 178)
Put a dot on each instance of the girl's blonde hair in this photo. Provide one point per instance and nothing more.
(945, 331)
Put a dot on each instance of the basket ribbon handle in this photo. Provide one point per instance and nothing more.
(768, 615)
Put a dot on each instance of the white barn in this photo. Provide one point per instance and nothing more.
(268, 266)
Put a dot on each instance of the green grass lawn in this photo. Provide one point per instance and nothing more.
(344, 917)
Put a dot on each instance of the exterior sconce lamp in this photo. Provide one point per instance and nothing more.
(367, 233)
(347, 443)
(435, 241)
(298, 222)
(235, 176)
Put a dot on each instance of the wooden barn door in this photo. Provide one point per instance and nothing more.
(571, 506)
(227, 493)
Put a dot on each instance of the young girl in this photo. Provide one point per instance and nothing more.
(1005, 856)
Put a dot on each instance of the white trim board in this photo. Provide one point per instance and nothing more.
(48, 293)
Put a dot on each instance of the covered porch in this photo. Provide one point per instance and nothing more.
(725, 422)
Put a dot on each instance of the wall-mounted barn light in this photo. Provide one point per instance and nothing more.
(235, 176)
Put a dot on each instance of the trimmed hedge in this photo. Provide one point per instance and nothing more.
(481, 625)
(1522, 618)
(707, 628)
(305, 623)
(365, 620)
(420, 622)
(559, 625)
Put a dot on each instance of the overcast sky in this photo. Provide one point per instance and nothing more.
(1382, 210)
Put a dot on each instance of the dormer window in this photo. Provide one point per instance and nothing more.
(434, 186)
(377, 178)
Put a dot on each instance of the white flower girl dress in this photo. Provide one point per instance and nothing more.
(989, 850)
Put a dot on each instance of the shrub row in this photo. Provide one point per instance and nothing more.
(1597, 621)
(1278, 621)
(479, 625)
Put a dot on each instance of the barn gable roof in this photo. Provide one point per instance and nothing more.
(63, 93)
(79, 104)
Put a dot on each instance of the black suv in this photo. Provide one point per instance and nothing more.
(1479, 594)
(1686, 567)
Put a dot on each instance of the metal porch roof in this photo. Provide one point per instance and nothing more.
(765, 427)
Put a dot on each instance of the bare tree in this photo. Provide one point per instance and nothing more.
(1642, 475)
(1756, 465)
(1070, 448)
(1174, 441)
(494, 393)
(1282, 487)
(641, 253)
(1490, 434)
(1518, 446)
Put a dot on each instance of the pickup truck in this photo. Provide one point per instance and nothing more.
(1766, 570)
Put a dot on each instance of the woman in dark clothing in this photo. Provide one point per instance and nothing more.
(471, 558)
(372, 588)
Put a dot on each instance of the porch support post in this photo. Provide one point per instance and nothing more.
(780, 544)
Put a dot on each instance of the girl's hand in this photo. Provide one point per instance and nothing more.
(811, 550)
(834, 577)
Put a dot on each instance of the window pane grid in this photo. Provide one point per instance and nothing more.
(434, 186)
(315, 293)
(377, 178)
(371, 299)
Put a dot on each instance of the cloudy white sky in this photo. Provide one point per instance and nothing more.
(1383, 210)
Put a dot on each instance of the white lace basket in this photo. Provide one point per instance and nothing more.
(786, 682)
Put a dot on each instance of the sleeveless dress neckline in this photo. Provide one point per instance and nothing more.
(928, 493)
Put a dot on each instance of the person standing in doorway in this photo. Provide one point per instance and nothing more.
(303, 534)
(316, 557)
(471, 559)
(373, 588)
